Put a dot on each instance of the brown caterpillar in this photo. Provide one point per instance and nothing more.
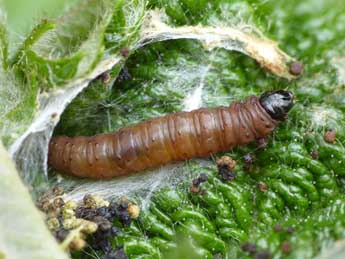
(174, 137)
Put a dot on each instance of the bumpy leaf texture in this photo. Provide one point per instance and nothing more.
(180, 55)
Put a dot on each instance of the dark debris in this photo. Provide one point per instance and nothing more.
(118, 253)
(262, 143)
(124, 75)
(105, 78)
(290, 230)
(92, 210)
(225, 174)
(86, 213)
(262, 255)
(61, 234)
(262, 186)
(296, 68)
(248, 162)
(249, 247)
(195, 187)
(315, 154)
(226, 166)
(330, 136)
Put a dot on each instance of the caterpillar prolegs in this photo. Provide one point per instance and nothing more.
(174, 137)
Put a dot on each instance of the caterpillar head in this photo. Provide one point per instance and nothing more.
(277, 103)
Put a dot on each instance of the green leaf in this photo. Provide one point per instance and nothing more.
(67, 48)
(50, 80)
(66, 55)
(23, 233)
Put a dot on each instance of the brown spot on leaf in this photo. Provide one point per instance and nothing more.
(330, 136)
(285, 247)
(249, 247)
(262, 186)
(124, 52)
(315, 154)
(296, 68)
(278, 228)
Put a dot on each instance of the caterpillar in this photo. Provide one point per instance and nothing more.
(174, 137)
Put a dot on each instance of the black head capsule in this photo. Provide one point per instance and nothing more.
(277, 103)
